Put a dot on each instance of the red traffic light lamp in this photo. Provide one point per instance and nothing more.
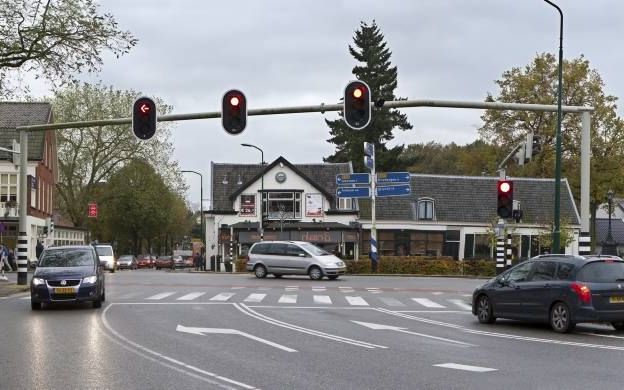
(234, 111)
(505, 198)
(357, 105)
(144, 118)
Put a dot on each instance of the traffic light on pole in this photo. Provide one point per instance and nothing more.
(234, 111)
(144, 118)
(357, 105)
(505, 198)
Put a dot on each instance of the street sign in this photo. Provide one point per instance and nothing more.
(397, 190)
(93, 211)
(352, 178)
(369, 162)
(393, 177)
(369, 149)
(353, 192)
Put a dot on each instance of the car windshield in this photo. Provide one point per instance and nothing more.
(314, 250)
(126, 257)
(104, 250)
(66, 258)
(602, 272)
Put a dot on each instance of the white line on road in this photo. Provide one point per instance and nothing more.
(437, 293)
(191, 296)
(465, 367)
(428, 303)
(288, 299)
(161, 295)
(255, 298)
(203, 331)
(356, 301)
(461, 304)
(222, 297)
(322, 299)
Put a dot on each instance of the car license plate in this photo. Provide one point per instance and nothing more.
(64, 290)
(617, 299)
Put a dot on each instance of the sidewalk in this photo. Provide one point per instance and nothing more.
(10, 287)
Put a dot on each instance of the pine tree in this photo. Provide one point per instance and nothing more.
(375, 69)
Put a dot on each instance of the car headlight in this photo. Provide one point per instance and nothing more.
(38, 281)
(90, 279)
(340, 264)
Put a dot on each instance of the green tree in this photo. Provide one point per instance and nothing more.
(376, 70)
(89, 156)
(56, 39)
(474, 159)
(582, 86)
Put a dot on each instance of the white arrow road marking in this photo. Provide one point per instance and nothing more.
(191, 296)
(222, 297)
(370, 325)
(465, 367)
(428, 303)
(204, 331)
(161, 295)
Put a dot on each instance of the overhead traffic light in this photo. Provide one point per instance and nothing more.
(144, 118)
(357, 105)
(533, 145)
(234, 111)
(505, 198)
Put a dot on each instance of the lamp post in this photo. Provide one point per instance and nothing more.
(201, 204)
(609, 245)
(556, 247)
(261, 188)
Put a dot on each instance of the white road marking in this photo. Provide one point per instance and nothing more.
(161, 295)
(202, 331)
(291, 289)
(461, 304)
(191, 296)
(464, 367)
(318, 289)
(391, 301)
(222, 297)
(264, 288)
(288, 299)
(374, 326)
(437, 293)
(466, 295)
(428, 303)
(322, 299)
(237, 288)
(356, 301)
(26, 297)
(255, 298)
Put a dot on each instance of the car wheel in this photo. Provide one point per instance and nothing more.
(35, 305)
(277, 276)
(485, 314)
(260, 271)
(315, 273)
(97, 303)
(113, 270)
(560, 318)
(618, 325)
(103, 295)
(333, 277)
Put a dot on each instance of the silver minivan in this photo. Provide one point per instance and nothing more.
(293, 258)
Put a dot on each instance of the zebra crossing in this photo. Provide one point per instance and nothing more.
(345, 296)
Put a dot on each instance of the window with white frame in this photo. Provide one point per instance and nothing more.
(426, 209)
(345, 203)
(283, 205)
(8, 187)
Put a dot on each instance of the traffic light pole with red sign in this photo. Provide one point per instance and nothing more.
(93, 210)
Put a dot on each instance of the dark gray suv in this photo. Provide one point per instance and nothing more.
(293, 258)
(561, 290)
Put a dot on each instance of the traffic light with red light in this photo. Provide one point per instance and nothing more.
(144, 118)
(357, 105)
(505, 198)
(234, 111)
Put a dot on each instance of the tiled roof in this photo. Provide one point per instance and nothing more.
(472, 199)
(13, 114)
(322, 176)
(602, 228)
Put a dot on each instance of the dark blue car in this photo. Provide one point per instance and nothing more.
(558, 289)
(68, 274)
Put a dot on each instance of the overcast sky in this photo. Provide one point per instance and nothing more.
(286, 53)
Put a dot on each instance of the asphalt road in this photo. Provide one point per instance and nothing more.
(162, 330)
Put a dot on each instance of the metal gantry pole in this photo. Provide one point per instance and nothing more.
(585, 236)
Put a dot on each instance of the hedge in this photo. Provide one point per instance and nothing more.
(415, 265)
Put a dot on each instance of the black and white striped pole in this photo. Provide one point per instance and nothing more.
(508, 252)
(500, 247)
(22, 237)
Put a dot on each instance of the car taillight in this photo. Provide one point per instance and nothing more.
(582, 291)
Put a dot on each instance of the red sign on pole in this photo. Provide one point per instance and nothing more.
(92, 210)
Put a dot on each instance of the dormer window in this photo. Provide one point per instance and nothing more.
(426, 209)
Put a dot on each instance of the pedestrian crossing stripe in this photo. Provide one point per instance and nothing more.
(322, 299)
(356, 301)
(428, 303)
(161, 295)
(191, 296)
(288, 299)
(255, 298)
(222, 297)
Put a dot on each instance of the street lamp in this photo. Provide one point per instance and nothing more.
(609, 246)
(201, 204)
(557, 231)
(261, 188)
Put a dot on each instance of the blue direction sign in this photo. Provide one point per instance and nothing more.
(396, 190)
(353, 192)
(352, 178)
(393, 177)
